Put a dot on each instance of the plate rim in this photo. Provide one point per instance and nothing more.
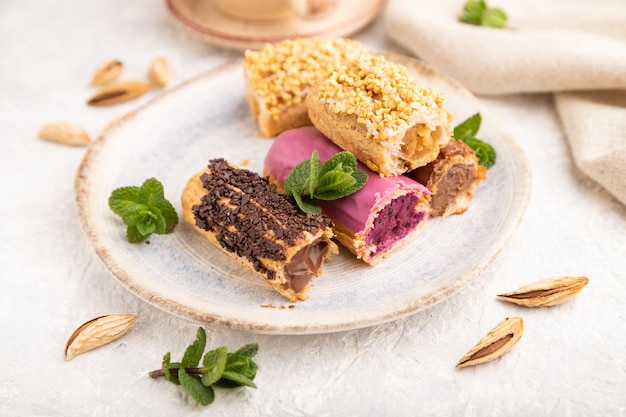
(82, 197)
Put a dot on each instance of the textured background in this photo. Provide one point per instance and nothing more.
(570, 361)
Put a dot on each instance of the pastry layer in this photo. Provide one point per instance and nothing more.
(452, 178)
(386, 213)
(373, 109)
(279, 75)
(241, 213)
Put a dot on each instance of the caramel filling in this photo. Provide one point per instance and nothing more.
(420, 143)
(305, 264)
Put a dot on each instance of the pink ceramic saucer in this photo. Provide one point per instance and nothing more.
(206, 20)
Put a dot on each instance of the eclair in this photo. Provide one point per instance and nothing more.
(279, 76)
(373, 109)
(452, 178)
(381, 217)
(241, 213)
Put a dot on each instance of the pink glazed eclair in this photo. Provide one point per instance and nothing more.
(378, 219)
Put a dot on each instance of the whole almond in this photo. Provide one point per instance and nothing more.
(119, 92)
(496, 343)
(98, 332)
(64, 132)
(546, 292)
(107, 72)
(159, 72)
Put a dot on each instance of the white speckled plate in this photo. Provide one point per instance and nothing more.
(207, 117)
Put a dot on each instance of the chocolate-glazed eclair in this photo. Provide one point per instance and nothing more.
(241, 213)
(374, 221)
(452, 178)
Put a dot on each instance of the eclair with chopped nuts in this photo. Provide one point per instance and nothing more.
(241, 213)
(375, 221)
(452, 178)
(279, 76)
(373, 109)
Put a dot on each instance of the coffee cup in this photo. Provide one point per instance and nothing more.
(276, 9)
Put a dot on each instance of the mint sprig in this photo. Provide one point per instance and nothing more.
(466, 132)
(219, 369)
(476, 12)
(144, 210)
(311, 180)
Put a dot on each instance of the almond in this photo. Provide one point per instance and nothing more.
(107, 72)
(496, 343)
(546, 292)
(119, 92)
(98, 332)
(159, 72)
(64, 132)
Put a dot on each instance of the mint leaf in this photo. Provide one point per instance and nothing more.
(151, 192)
(493, 18)
(477, 12)
(361, 179)
(297, 178)
(240, 368)
(146, 223)
(343, 161)
(214, 363)
(484, 152)
(145, 210)
(124, 200)
(473, 10)
(132, 213)
(169, 215)
(133, 235)
(219, 368)
(241, 361)
(238, 379)
(166, 366)
(466, 132)
(336, 178)
(194, 351)
(192, 384)
(469, 127)
(332, 184)
(307, 205)
(250, 350)
(314, 171)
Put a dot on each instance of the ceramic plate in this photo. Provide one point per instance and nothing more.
(207, 117)
(205, 20)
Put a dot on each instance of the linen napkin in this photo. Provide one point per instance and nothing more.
(577, 50)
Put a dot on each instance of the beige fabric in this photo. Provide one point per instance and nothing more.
(575, 49)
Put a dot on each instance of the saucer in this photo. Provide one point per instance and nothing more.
(204, 19)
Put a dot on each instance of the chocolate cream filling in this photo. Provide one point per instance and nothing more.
(446, 179)
(305, 264)
(455, 182)
(394, 222)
